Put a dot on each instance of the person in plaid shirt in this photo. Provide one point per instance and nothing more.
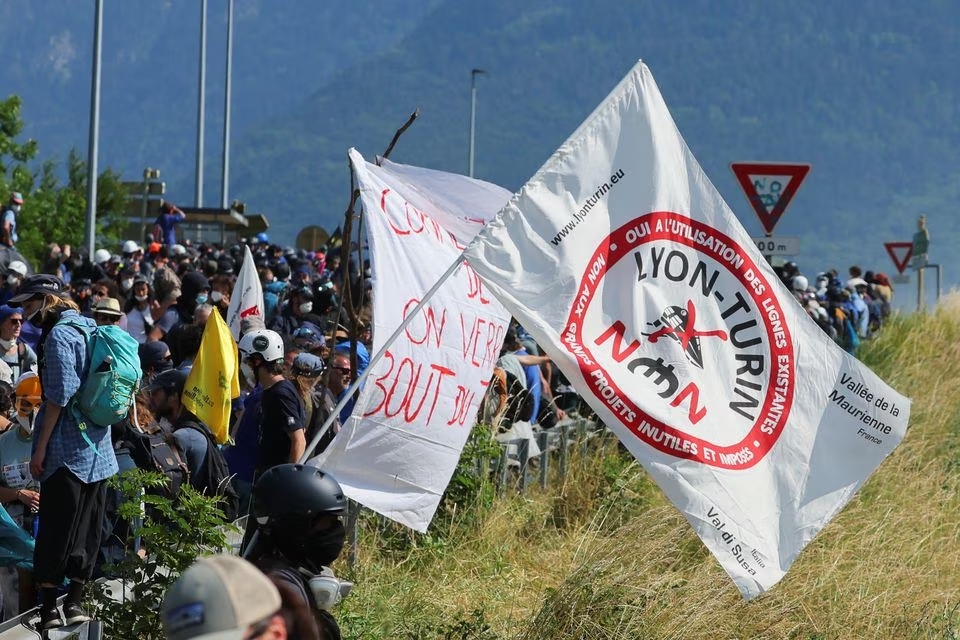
(71, 464)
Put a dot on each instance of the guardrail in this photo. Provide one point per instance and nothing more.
(555, 443)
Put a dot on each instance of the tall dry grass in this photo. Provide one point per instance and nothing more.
(603, 555)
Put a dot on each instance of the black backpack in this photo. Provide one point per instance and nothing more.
(519, 401)
(157, 452)
(217, 479)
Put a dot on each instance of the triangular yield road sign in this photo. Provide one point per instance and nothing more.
(769, 186)
(906, 248)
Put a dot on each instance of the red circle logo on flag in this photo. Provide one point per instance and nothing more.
(681, 336)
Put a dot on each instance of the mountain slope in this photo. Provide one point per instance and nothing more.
(283, 51)
(866, 97)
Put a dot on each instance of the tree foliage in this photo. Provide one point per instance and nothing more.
(54, 209)
(169, 535)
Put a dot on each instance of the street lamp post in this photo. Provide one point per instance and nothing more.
(93, 145)
(201, 101)
(149, 175)
(225, 178)
(473, 116)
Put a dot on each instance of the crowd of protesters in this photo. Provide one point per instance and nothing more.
(162, 295)
(297, 362)
(849, 309)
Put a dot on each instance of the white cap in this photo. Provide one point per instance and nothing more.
(129, 246)
(853, 283)
(178, 249)
(18, 267)
(100, 256)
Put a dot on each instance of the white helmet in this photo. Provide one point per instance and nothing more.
(17, 266)
(130, 246)
(100, 256)
(799, 283)
(265, 342)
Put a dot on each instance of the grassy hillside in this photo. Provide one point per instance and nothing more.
(604, 556)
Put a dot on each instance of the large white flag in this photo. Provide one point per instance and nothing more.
(247, 298)
(402, 443)
(629, 269)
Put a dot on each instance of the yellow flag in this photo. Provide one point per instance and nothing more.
(214, 381)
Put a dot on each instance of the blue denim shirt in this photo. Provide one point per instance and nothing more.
(64, 361)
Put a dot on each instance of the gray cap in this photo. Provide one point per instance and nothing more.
(218, 598)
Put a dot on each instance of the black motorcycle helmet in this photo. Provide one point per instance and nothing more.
(296, 491)
(297, 509)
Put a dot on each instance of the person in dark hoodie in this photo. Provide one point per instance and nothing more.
(81, 266)
(194, 291)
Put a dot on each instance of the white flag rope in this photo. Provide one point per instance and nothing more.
(631, 272)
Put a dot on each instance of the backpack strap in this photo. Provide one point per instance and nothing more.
(196, 425)
(21, 350)
(84, 331)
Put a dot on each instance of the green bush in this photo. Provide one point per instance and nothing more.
(171, 534)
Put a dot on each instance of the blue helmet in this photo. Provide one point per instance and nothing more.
(263, 237)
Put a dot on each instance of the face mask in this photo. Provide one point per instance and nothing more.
(12, 279)
(202, 298)
(141, 298)
(26, 422)
(248, 373)
(16, 208)
(6, 345)
(321, 549)
(127, 284)
(161, 366)
(33, 316)
(306, 307)
(216, 297)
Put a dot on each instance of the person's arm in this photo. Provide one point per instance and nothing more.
(547, 396)
(7, 236)
(26, 497)
(528, 360)
(298, 444)
(156, 334)
(162, 325)
(50, 417)
(158, 308)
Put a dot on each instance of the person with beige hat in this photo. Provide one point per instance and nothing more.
(107, 311)
(222, 597)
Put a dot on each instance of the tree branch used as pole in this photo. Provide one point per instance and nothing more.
(400, 132)
(346, 302)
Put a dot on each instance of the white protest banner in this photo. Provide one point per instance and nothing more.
(247, 298)
(402, 443)
(628, 268)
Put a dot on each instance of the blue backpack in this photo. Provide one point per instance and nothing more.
(112, 375)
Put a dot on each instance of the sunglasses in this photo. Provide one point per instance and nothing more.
(15, 320)
(100, 293)
(344, 370)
